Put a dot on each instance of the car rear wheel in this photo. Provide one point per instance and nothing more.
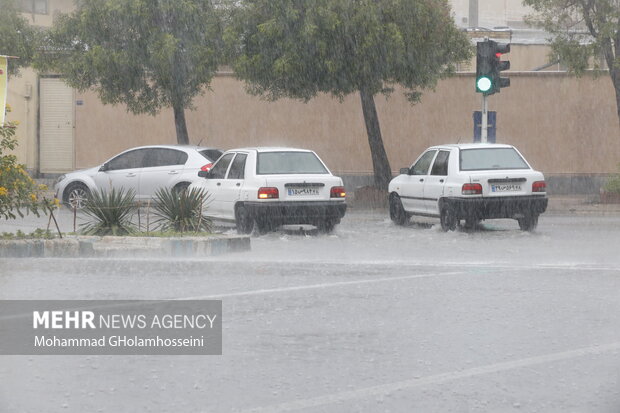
(244, 220)
(528, 222)
(180, 187)
(264, 225)
(398, 215)
(326, 226)
(448, 218)
(76, 195)
(471, 223)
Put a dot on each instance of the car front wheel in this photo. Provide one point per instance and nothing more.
(398, 215)
(76, 195)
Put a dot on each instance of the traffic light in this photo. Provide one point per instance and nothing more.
(489, 65)
(500, 82)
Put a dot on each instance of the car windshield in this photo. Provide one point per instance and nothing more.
(270, 163)
(211, 154)
(491, 158)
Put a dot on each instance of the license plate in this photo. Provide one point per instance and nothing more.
(505, 188)
(302, 191)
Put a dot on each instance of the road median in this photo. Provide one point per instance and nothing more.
(121, 247)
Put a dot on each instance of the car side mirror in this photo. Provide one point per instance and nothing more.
(104, 167)
(204, 174)
(404, 171)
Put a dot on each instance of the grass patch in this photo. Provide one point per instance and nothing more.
(36, 234)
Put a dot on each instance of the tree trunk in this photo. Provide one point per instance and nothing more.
(615, 79)
(610, 58)
(180, 125)
(380, 162)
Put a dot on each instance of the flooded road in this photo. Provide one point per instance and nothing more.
(373, 318)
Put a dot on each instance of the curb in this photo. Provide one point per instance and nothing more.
(121, 247)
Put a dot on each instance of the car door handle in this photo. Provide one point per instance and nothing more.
(173, 173)
(238, 183)
(441, 181)
(421, 180)
(130, 175)
(219, 183)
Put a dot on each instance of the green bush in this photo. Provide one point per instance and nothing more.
(18, 192)
(36, 234)
(613, 183)
(182, 211)
(109, 213)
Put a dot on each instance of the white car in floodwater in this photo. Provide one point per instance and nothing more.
(470, 182)
(269, 187)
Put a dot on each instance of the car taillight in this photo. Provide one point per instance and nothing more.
(268, 192)
(337, 192)
(207, 167)
(471, 189)
(539, 186)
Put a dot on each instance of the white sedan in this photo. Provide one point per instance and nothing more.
(269, 187)
(144, 170)
(469, 182)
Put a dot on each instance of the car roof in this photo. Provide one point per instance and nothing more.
(471, 146)
(270, 149)
(172, 146)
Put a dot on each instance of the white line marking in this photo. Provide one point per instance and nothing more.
(322, 285)
(251, 292)
(385, 389)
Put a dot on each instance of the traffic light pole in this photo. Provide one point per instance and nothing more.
(485, 119)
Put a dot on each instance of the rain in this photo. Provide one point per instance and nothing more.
(376, 312)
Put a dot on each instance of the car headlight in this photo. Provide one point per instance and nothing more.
(60, 178)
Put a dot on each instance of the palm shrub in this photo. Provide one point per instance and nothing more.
(182, 211)
(109, 213)
(613, 183)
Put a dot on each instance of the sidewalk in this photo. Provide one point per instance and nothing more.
(580, 205)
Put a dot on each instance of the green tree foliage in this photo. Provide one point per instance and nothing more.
(300, 48)
(17, 37)
(145, 54)
(584, 32)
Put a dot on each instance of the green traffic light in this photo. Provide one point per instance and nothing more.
(484, 84)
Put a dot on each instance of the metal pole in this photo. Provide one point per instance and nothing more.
(485, 119)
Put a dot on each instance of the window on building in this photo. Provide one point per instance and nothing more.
(34, 6)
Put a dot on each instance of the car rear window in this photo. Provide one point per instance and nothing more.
(211, 154)
(491, 158)
(275, 163)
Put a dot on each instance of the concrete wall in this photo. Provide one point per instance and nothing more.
(563, 125)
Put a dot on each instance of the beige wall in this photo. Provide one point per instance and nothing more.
(560, 123)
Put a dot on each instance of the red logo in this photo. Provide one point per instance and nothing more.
(1, 72)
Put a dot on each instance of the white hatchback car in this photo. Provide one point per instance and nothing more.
(144, 170)
(269, 187)
(469, 182)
